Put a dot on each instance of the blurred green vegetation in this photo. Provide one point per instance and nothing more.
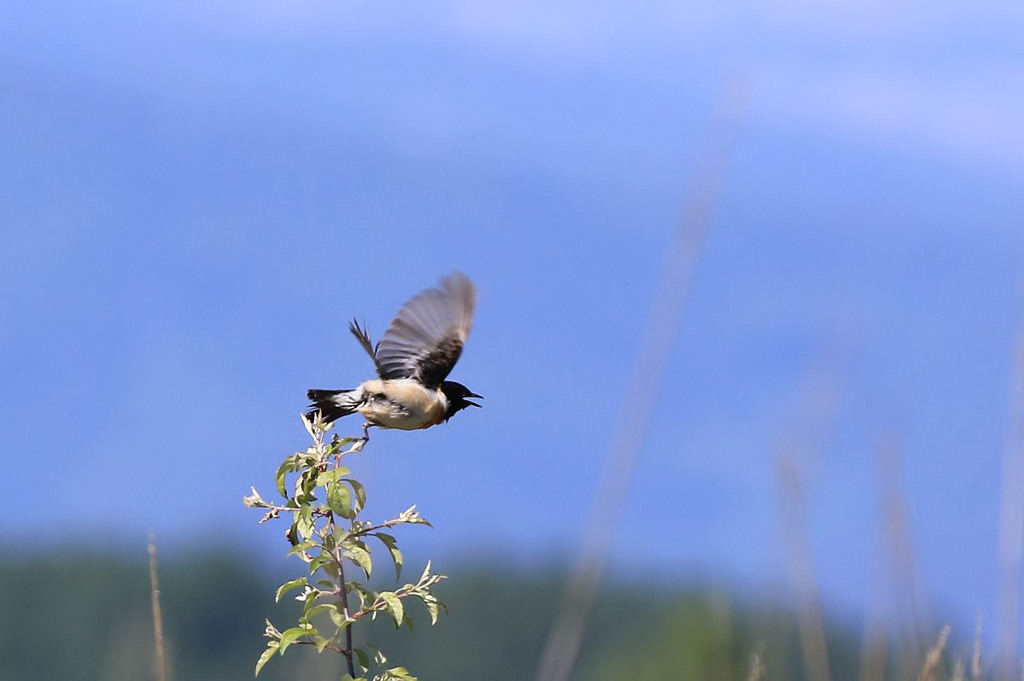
(85, 616)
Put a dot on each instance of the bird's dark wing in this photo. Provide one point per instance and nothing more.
(364, 340)
(425, 338)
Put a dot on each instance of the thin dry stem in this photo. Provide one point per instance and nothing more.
(158, 622)
(873, 655)
(809, 617)
(566, 634)
(1011, 535)
(934, 657)
(901, 562)
(757, 668)
(976, 658)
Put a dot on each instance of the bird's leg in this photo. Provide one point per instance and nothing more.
(361, 441)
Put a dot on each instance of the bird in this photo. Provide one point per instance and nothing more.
(413, 358)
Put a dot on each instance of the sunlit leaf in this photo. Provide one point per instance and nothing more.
(313, 608)
(394, 606)
(392, 545)
(302, 546)
(290, 636)
(364, 594)
(288, 586)
(360, 493)
(327, 476)
(304, 523)
(358, 554)
(280, 478)
(339, 619)
(339, 500)
(265, 657)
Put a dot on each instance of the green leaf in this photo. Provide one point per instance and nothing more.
(365, 595)
(292, 534)
(319, 561)
(339, 619)
(302, 546)
(288, 586)
(304, 523)
(360, 555)
(394, 606)
(392, 545)
(360, 493)
(290, 636)
(306, 482)
(311, 610)
(433, 605)
(321, 643)
(265, 657)
(397, 674)
(341, 535)
(280, 479)
(339, 500)
(362, 658)
(327, 476)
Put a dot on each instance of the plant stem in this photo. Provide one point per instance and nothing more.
(340, 560)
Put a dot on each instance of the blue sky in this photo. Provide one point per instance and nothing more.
(195, 198)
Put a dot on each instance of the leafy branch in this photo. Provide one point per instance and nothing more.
(324, 503)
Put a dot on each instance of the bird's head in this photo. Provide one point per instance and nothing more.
(457, 394)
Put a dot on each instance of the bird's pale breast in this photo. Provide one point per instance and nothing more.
(402, 403)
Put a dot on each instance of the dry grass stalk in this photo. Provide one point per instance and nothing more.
(809, 617)
(1011, 536)
(934, 656)
(657, 343)
(757, 668)
(873, 655)
(158, 622)
(901, 561)
(976, 658)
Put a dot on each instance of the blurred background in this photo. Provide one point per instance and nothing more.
(196, 197)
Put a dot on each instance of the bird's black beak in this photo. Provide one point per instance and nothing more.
(479, 397)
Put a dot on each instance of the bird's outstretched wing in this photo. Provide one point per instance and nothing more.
(425, 338)
(364, 340)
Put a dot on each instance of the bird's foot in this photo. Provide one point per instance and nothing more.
(358, 445)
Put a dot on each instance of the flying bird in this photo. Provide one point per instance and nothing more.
(413, 359)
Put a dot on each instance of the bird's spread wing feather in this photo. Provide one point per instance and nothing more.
(364, 340)
(425, 338)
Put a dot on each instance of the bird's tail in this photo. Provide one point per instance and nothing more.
(333, 404)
